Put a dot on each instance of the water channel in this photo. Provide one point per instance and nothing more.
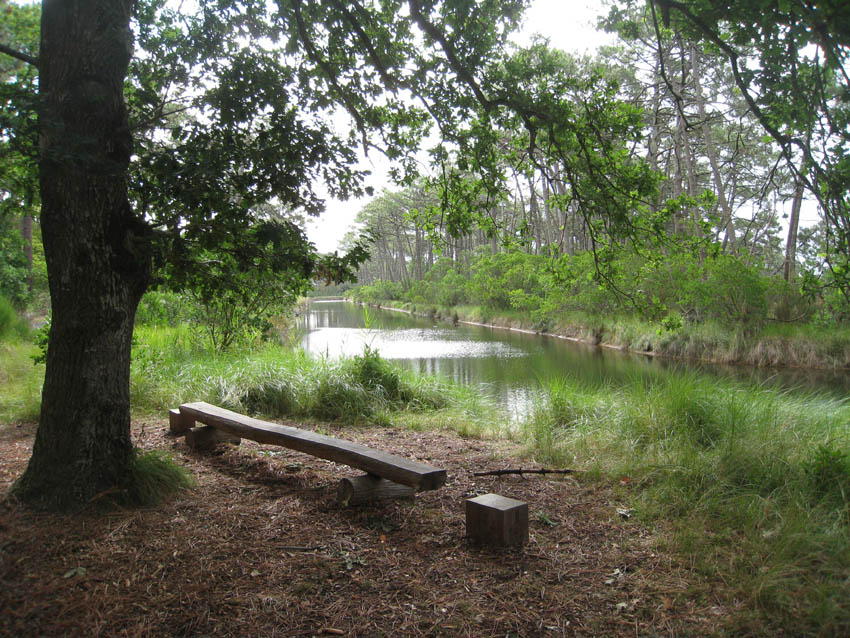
(509, 366)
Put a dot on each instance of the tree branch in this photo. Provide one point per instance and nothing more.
(19, 55)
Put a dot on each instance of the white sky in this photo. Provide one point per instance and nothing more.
(569, 25)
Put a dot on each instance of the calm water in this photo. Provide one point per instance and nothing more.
(508, 365)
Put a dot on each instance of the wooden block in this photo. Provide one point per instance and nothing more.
(368, 487)
(206, 437)
(178, 422)
(497, 520)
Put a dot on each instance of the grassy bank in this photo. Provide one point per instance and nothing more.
(752, 485)
(774, 345)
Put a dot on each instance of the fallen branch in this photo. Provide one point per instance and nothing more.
(521, 472)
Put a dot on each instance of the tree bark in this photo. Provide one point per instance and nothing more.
(790, 264)
(97, 254)
(26, 234)
(728, 221)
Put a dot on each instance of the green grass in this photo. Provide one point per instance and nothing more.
(754, 484)
(20, 382)
(154, 476)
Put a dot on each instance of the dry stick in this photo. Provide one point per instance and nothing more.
(521, 471)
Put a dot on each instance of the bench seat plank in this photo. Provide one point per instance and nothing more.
(389, 466)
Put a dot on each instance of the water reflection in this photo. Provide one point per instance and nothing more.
(508, 365)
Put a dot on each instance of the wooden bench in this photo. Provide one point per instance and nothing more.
(387, 475)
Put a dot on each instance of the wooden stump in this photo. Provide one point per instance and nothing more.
(497, 520)
(206, 437)
(179, 423)
(368, 487)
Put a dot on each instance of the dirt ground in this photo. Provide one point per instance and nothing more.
(261, 548)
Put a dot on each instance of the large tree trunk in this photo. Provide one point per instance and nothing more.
(98, 262)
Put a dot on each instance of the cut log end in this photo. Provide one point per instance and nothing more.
(367, 488)
(206, 437)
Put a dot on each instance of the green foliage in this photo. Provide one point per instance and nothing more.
(41, 341)
(378, 292)
(679, 287)
(12, 326)
(14, 269)
(235, 289)
(161, 308)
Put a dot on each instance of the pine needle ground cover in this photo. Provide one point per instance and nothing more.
(260, 547)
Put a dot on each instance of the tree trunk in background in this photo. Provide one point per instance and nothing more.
(26, 233)
(97, 253)
(793, 224)
(711, 152)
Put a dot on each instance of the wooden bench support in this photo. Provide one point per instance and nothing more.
(367, 488)
(388, 466)
(179, 423)
(206, 437)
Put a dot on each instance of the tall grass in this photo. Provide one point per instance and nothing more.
(169, 368)
(20, 379)
(754, 482)
(20, 383)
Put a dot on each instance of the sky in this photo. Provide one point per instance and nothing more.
(569, 25)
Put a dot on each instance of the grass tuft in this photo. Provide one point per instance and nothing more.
(154, 477)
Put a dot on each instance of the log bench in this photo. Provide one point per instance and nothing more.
(387, 475)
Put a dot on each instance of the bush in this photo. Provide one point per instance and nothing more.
(378, 292)
(12, 326)
(161, 308)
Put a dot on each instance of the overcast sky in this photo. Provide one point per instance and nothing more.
(569, 25)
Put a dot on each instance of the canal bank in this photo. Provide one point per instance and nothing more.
(512, 362)
(773, 346)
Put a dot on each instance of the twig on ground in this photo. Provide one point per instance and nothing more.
(521, 471)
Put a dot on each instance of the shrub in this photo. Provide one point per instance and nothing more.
(161, 308)
(11, 325)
